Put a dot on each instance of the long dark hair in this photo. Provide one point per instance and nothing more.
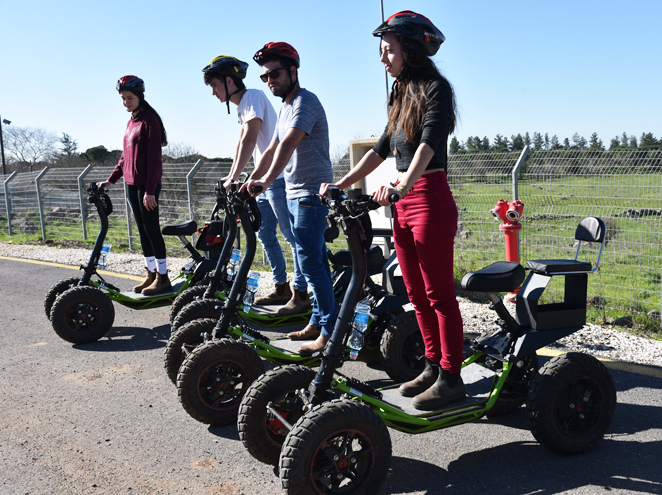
(408, 101)
(143, 105)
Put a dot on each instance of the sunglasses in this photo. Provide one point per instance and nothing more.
(273, 74)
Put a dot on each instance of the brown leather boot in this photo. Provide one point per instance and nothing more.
(281, 295)
(161, 284)
(309, 333)
(316, 345)
(448, 388)
(149, 278)
(422, 382)
(300, 303)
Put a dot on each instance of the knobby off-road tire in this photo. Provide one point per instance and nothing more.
(189, 335)
(82, 315)
(187, 296)
(201, 308)
(55, 291)
(402, 348)
(213, 379)
(571, 403)
(515, 390)
(339, 447)
(261, 432)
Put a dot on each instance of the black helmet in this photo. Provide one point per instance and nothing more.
(413, 26)
(130, 83)
(225, 66)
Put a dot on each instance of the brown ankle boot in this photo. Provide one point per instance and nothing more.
(448, 388)
(422, 382)
(317, 345)
(281, 295)
(309, 333)
(149, 278)
(161, 284)
(300, 303)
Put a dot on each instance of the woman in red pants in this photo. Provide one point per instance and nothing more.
(421, 116)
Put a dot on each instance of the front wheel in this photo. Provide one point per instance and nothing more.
(213, 379)
(82, 315)
(56, 291)
(261, 432)
(189, 336)
(571, 403)
(338, 447)
(201, 308)
(190, 294)
(402, 348)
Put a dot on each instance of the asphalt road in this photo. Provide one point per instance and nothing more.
(103, 418)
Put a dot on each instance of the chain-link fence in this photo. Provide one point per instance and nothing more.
(558, 188)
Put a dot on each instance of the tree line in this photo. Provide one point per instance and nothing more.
(540, 142)
(29, 148)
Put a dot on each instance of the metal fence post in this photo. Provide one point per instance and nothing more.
(39, 202)
(516, 169)
(7, 201)
(127, 208)
(189, 186)
(82, 199)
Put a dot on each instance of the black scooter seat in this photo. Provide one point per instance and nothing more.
(342, 258)
(477, 383)
(502, 276)
(184, 228)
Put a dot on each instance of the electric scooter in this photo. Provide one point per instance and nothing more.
(81, 309)
(340, 441)
(215, 374)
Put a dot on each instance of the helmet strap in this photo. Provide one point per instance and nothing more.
(292, 84)
(227, 96)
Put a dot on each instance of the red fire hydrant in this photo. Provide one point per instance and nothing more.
(509, 214)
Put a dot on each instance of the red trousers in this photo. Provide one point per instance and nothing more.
(424, 227)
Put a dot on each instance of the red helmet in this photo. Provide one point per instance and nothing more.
(130, 83)
(278, 48)
(413, 26)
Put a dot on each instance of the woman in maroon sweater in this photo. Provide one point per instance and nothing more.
(421, 116)
(141, 167)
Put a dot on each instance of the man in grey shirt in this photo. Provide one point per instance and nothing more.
(300, 147)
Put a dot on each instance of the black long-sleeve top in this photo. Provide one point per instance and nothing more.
(434, 131)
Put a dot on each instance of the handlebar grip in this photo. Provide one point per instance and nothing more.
(394, 198)
(257, 189)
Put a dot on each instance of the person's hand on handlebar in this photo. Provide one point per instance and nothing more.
(383, 195)
(255, 187)
(325, 187)
(104, 185)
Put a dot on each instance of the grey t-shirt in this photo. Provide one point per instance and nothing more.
(310, 164)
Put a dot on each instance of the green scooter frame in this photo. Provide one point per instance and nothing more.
(81, 309)
(342, 445)
(213, 377)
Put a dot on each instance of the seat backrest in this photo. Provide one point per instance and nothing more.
(591, 229)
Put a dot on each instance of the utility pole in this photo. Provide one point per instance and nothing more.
(2, 145)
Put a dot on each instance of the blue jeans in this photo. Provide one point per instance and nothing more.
(307, 216)
(273, 208)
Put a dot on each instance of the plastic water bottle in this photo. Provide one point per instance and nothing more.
(234, 261)
(103, 257)
(251, 289)
(359, 326)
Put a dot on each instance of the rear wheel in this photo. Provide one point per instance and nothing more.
(188, 295)
(213, 379)
(338, 447)
(571, 403)
(261, 432)
(201, 308)
(189, 336)
(82, 315)
(403, 349)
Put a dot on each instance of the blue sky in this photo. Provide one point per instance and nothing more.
(557, 67)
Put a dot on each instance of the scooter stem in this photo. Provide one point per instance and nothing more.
(91, 267)
(332, 357)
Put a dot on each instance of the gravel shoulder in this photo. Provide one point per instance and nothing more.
(601, 341)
